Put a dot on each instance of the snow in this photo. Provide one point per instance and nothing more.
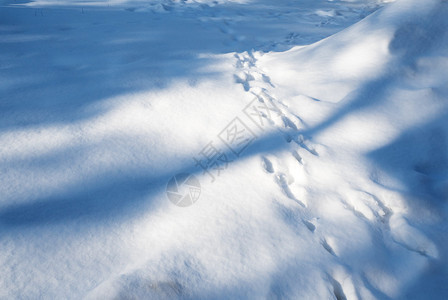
(340, 194)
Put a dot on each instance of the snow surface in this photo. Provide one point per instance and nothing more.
(342, 193)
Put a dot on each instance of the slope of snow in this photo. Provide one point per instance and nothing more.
(375, 96)
(341, 194)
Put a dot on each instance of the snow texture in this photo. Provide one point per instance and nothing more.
(338, 189)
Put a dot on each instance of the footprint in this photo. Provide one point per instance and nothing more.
(327, 247)
(297, 157)
(243, 82)
(338, 291)
(303, 144)
(284, 183)
(267, 165)
(411, 238)
(369, 206)
(267, 79)
(245, 60)
(244, 79)
(311, 227)
(288, 123)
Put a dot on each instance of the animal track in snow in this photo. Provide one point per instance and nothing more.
(267, 165)
(311, 227)
(244, 79)
(283, 182)
(368, 206)
(288, 123)
(338, 291)
(305, 145)
(267, 79)
(297, 157)
(245, 60)
(258, 83)
(408, 236)
(327, 247)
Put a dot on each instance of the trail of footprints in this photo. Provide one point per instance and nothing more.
(256, 82)
(289, 170)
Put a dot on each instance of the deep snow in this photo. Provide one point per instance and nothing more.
(341, 192)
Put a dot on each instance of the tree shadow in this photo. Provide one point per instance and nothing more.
(58, 60)
(114, 195)
(117, 196)
(418, 160)
(58, 64)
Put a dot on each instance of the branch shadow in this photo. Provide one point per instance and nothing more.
(114, 196)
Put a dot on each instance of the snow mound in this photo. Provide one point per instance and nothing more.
(367, 50)
(375, 95)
